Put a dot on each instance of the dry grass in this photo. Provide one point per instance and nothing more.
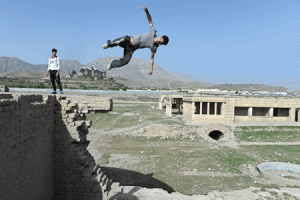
(188, 166)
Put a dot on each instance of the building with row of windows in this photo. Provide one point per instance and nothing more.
(231, 109)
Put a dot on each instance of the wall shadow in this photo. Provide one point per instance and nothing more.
(132, 178)
(75, 170)
(128, 196)
(76, 174)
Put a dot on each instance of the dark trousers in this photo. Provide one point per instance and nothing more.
(125, 43)
(54, 78)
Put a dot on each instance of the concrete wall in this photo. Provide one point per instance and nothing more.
(187, 110)
(271, 102)
(256, 109)
(226, 115)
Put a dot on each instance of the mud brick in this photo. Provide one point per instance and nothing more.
(4, 115)
(64, 101)
(88, 123)
(72, 104)
(70, 111)
(15, 112)
(68, 108)
(72, 116)
(79, 123)
(12, 106)
(70, 120)
(17, 106)
(57, 115)
(63, 112)
(72, 124)
(58, 108)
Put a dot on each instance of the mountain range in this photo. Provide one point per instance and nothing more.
(134, 74)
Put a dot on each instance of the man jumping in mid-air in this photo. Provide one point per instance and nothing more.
(130, 44)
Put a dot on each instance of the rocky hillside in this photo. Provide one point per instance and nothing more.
(13, 64)
(134, 74)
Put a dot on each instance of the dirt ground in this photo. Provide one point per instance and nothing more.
(156, 154)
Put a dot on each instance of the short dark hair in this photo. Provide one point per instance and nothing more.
(54, 50)
(166, 39)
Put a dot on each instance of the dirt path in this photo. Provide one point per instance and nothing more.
(117, 131)
(267, 143)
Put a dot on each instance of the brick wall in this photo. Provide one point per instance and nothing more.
(26, 154)
(75, 170)
(43, 150)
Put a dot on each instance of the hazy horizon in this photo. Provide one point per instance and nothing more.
(221, 42)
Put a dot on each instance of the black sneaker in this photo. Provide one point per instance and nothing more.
(108, 44)
(53, 92)
(105, 46)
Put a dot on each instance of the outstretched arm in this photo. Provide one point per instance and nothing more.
(151, 63)
(148, 15)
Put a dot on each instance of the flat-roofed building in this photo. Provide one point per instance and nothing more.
(231, 109)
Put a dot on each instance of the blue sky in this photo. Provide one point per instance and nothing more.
(219, 41)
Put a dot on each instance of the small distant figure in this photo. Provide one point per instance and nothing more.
(130, 44)
(53, 67)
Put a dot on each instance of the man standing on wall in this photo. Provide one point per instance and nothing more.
(53, 67)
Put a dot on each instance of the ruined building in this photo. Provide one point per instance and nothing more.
(232, 109)
(92, 72)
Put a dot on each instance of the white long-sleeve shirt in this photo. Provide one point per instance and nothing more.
(53, 63)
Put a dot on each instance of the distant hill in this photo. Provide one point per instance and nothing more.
(134, 74)
(137, 69)
(68, 65)
(12, 64)
(24, 74)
